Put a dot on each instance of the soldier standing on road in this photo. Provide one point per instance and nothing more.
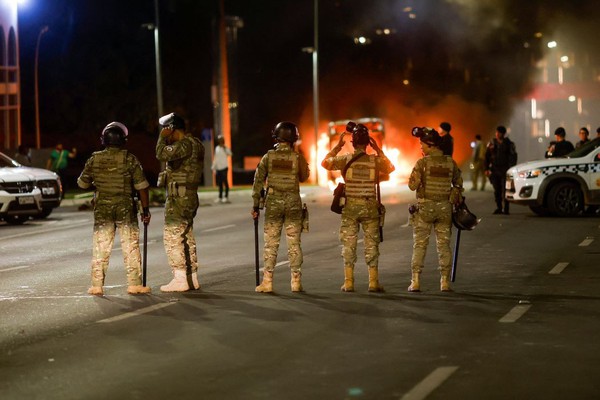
(362, 206)
(282, 169)
(500, 155)
(184, 157)
(116, 174)
(438, 184)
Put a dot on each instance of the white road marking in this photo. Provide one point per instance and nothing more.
(217, 228)
(586, 242)
(45, 230)
(558, 268)
(430, 383)
(282, 263)
(515, 313)
(14, 268)
(135, 313)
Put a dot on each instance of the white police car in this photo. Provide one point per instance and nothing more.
(26, 192)
(558, 186)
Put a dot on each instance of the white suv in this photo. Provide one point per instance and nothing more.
(26, 192)
(558, 186)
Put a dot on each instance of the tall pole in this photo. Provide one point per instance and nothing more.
(223, 85)
(38, 139)
(159, 94)
(315, 59)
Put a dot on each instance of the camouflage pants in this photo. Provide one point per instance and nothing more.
(356, 213)
(439, 216)
(178, 233)
(283, 210)
(108, 217)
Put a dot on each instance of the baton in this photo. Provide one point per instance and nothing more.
(455, 256)
(145, 259)
(256, 251)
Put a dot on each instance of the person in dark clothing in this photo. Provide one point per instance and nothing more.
(561, 147)
(447, 141)
(500, 155)
(584, 137)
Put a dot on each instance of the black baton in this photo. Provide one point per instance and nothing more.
(256, 250)
(145, 259)
(455, 256)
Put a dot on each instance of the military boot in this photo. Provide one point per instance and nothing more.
(96, 291)
(374, 285)
(415, 285)
(348, 285)
(267, 283)
(137, 289)
(193, 281)
(296, 282)
(178, 284)
(445, 282)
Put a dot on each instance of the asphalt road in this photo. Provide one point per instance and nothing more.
(522, 322)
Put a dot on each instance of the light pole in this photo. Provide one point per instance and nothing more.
(154, 27)
(38, 139)
(315, 60)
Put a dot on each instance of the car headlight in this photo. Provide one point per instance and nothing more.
(530, 173)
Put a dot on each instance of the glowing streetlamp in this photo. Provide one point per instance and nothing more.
(38, 139)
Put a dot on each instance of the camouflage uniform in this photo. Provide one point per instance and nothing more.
(115, 173)
(362, 207)
(184, 160)
(283, 169)
(438, 182)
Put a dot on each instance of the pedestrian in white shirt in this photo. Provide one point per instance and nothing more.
(220, 166)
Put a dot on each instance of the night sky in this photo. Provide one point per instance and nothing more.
(97, 63)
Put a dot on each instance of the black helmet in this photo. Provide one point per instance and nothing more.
(462, 218)
(427, 135)
(114, 134)
(360, 135)
(286, 132)
(172, 121)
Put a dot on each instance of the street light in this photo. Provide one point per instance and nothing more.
(38, 139)
(154, 27)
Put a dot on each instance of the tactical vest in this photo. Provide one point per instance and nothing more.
(187, 171)
(438, 177)
(111, 176)
(360, 177)
(282, 173)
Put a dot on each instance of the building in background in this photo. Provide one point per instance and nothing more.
(566, 93)
(10, 92)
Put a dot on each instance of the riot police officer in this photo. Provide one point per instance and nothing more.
(184, 157)
(437, 181)
(362, 207)
(281, 169)
(116, 174)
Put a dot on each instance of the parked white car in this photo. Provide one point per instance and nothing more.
(558, 186)
(26, 192)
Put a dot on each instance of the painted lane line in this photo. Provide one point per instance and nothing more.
(586, 242)
(14, 268)
(141, 311)
(83, 296)
(281, 263)
(218, 228)
(430, 383)
(58, 228)
(515, 313)
(558, 268)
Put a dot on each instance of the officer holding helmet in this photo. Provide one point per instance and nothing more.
(184, 157)
(437, 181)
(278, 176)
(362, 173)
(116, 174)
